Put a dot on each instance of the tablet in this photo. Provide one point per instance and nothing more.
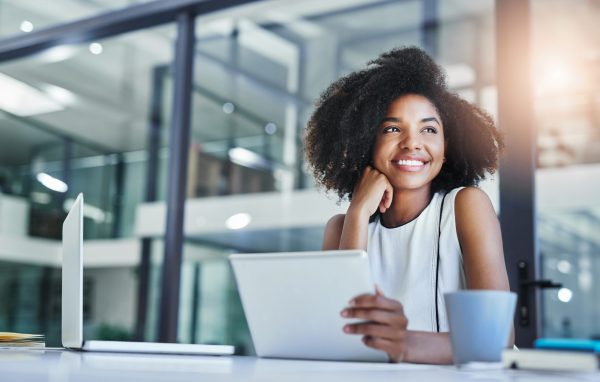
(293, 300)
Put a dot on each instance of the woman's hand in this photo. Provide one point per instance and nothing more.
(372, 191)
(386, 326)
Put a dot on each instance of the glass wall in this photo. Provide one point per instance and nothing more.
(78, 122)
(567, 119)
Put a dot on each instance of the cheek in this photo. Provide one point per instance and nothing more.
(439, 149)
(378, 150)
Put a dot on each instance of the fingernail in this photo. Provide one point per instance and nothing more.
(351, 303)
(344, 313)
(347, 329)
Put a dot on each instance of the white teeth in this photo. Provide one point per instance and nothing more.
(410, 162)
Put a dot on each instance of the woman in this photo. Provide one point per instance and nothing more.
(408, 153)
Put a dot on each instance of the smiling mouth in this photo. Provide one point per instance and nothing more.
(409, 165)
(409, 162)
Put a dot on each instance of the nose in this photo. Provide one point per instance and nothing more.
(411, 141)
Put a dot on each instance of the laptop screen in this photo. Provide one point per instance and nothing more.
(72, 276)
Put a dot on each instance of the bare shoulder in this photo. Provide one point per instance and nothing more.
(335, 224)
(474, 212)
(472, 201)
(333, 231)
(480, 239)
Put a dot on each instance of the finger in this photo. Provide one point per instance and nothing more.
(375, 315)
(382, 207)
(376, 330)
(375, 301)
(384, 197)
(386, 200)
(389, 192)
(384, 344)
(378, 291)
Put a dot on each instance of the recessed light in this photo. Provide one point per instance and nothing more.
(51, 182)
(238, 221)
(96, 48)
(228, 108)
(565, 294)
(24, 100)
(26, 26)
(270, 128)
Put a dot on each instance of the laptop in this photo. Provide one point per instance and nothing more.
(72, 302)
(293, 300)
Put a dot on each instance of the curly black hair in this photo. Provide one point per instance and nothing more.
(342, 130)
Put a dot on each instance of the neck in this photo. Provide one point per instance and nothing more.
(406, 206)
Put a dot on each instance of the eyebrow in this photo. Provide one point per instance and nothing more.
(398, 120)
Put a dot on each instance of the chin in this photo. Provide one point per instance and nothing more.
(410, 185)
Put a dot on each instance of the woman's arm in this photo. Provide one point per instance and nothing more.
(428, 347)
(373, 191)
(480, 241)
(481, 244)
(347, 231)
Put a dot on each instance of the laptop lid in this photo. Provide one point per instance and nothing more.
(72, 301)
(72, 276)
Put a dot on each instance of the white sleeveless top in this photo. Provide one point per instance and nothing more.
(403, 262)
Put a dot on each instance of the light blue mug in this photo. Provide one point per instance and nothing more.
(480, 324)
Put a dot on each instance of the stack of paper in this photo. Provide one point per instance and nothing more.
(8, 339)
(556, 354)
(539, 359)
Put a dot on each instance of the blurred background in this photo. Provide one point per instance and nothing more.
(79, 117)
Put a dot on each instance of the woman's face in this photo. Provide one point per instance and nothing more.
(409, 148)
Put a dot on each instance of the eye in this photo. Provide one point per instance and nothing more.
(430, 129)
(390, 129)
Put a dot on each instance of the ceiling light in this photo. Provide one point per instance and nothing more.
(563, 266)
(228, 108)
(24, 100)
(26, 26)
(57, 53)
(51, 182)
(270, 128)
(247, 158)
(238, 221)
(96, 48)
(565, 294)
(61, 95)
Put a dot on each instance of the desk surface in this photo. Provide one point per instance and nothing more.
(63, 365)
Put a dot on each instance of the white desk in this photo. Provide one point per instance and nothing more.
(61, 365)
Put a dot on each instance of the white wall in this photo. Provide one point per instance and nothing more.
(14, 215)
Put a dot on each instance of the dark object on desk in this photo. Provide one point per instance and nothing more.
(538, 359)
